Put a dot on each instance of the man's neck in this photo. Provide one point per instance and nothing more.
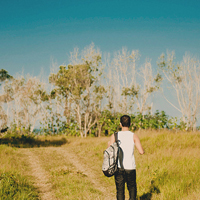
(125, 128)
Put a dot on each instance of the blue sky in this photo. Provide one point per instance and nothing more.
(34, 32)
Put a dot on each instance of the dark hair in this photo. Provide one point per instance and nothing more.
(125, 121)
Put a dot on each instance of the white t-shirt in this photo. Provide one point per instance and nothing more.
(126, 143)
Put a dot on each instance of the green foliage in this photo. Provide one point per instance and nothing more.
(109, 122)
(172, 123)
(4, 75)
(73, 79)
(158, 120)
(70, 129)
(82, 93)
(18, 130)
(14, 186)
(130, 91)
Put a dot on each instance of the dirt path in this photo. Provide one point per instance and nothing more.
(42, 181)
(41, 177)
(72, 158)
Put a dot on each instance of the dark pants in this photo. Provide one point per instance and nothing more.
(123, 176)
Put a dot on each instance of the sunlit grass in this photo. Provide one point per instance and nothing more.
(171, 163)
(169, 169)
(13, 183)
(68, 183)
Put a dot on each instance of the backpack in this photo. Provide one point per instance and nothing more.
(111, 154)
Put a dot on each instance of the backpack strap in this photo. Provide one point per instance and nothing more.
(116, 138)
(120, 152)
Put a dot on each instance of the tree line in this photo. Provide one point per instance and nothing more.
(88, 95)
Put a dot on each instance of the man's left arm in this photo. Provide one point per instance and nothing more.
(138, 144)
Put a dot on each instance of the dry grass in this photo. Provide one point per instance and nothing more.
(171, 162)
(68, 182)
(169, 169)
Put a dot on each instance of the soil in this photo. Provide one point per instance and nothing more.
(41, 177)
(85, 170)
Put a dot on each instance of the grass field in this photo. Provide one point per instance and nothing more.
(59, 167)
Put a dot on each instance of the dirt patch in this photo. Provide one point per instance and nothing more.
(41, 177)
(72, 158)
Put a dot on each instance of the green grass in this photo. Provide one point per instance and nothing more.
(14, 184)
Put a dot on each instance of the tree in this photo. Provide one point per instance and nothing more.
(120, 70)
(184, 78)
(4, 75)
(132, 84)
(22, 102)
(78, 83)
(142, 87)
(3, 118)
(51, 110)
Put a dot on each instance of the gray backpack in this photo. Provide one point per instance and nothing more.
(111, 155)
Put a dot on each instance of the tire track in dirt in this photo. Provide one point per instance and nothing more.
(72, 158)
(41, 177)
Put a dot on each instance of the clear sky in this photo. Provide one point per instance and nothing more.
(32, 32)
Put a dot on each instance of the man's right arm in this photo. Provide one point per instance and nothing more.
(112, 140)
(138, 144)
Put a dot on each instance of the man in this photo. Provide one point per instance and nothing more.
(126, 165)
